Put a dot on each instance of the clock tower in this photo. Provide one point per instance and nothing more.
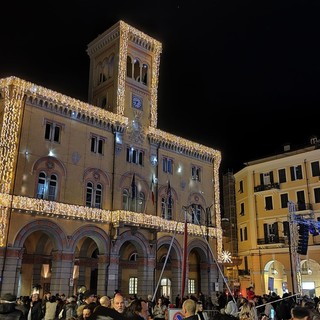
(124, 74)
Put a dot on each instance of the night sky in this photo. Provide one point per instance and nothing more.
(242, 76)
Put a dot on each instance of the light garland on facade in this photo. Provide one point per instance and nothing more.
(15, 91)
(158, 134)
(67, 211)
(125, 32)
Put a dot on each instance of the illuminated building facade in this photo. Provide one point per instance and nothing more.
(276, 198)
(94, 194)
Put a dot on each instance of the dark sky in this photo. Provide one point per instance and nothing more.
(241, 76)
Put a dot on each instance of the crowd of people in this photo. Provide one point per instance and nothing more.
(89, 306)
(266, 307)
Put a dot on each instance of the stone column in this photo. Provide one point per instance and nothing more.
(102, 275)
(12, 259)
(62, 272)
(146, 267)
(176, 278)
(113, 274)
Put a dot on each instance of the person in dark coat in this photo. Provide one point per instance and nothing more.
(133, 311)
(23, 304)
(35, 311)
(8, 309)
(284, 307)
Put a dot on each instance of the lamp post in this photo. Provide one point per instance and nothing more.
(208, 222)
(207, 212)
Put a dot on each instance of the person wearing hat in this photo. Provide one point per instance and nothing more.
(88, 300)
(8, 308)
(70, 308)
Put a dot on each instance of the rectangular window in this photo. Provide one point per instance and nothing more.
(315, 169)
(296, 173)
(167, 165)
(133, 285)
(271, 233)
(284, 200)
(241, 186)
(242, 209)
(301, 202)
(135, 155)
(97, 144)
(191, 286)
(316, 195)
(282, 175)
(268, 203)
(52, 131)
(195, 173)
(241, 234)
(246, 264)
(245, 234)
(266, 178)
(286, 228)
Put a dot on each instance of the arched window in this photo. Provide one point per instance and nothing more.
(196, 214)
(165, 257)
(52, 187)
(133, 256)
(135, 203)
(166, 208)
(98, 198)
(104, 103)
(110, 67)
(144, 74)
(94, 195)
(141, 202)
(125, 199)
(136, 74)
(100, 74)
(41, 185)
(47, 186)
(129, 67)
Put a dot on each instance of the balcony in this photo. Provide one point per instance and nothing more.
(302, 206)
(243, 272)
(266, 187)
(272, 239)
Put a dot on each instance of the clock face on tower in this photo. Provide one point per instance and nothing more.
(136, 102)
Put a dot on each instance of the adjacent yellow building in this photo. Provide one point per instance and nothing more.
(274, 197)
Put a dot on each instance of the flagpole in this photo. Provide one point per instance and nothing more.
(165, 262)
(184, 259)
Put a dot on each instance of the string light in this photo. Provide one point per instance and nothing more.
(16, 90)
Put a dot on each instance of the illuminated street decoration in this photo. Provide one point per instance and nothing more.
(226, 256)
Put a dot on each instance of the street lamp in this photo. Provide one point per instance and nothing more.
(208, 223)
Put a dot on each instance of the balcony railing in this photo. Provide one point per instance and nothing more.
(272, 240)
(243, 272)
(303, 206)
(269, 186)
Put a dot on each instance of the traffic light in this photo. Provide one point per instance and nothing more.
(303, 237)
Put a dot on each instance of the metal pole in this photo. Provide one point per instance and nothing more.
(209, 264)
